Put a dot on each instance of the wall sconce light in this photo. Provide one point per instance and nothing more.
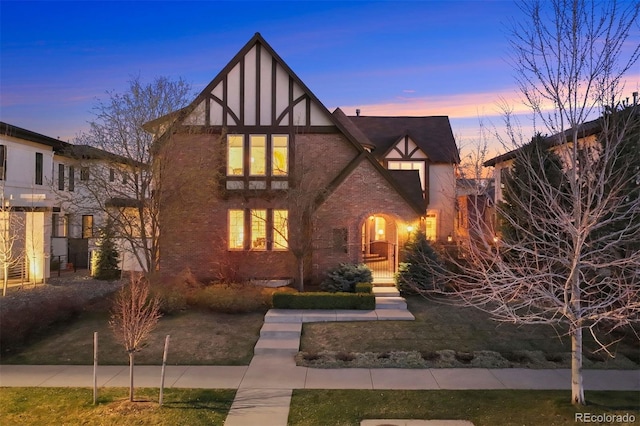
(409, 228)
(449, 238)
(380, 231)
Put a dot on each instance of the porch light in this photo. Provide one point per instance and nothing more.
(409, 228)
(380, 231)
(449, 238)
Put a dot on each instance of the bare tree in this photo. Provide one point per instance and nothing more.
(572, 257)
(134, 315)
(122, 186)
(10, 225)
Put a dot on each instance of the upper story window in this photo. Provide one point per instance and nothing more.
(61, 177)
(257, 159)
(3, 162)
(39, 168)
(235, 155)
(84, 173)
(280, 155)
(72, 178)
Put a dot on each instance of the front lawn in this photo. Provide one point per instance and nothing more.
(197, 338)
(441, 327)
(73, 406)
(487, 407)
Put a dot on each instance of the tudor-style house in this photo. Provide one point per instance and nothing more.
(45, 217)
(256, 173)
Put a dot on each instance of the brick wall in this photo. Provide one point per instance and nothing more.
(194, 207)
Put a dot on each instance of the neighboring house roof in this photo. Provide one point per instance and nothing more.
(584, 130)
(433, 135)
(62, 148)
(20, 133)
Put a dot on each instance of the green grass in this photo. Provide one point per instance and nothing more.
(73, 406)
(197, 338)
(440, 326)
(490, 408)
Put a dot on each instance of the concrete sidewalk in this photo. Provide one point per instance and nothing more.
(276, 372)
(265, 386)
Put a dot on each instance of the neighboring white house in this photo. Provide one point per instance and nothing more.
(41, 183)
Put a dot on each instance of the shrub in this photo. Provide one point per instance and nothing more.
(321, 300)
(345, 277)
(105, 266)
(230, 298)
(416, 273)
(364, 288)
(174, 292)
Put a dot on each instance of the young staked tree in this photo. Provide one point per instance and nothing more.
(133, 316)
(571, 254)
(122, 186)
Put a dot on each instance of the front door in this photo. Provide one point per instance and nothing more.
(379, 246)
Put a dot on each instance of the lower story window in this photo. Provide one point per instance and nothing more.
(236, 229)
(280, 229)
(258, 229)
(430, 227)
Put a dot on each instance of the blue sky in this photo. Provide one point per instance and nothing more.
(386, 58)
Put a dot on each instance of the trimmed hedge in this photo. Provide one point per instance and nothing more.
(364, 288)
(321, 300)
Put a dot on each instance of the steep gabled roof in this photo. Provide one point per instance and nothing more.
(409, 181)
(433, 135)
(357, 137)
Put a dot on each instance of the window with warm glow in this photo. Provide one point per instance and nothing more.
(380, 227)
(236, 229)
(235, 151)
(258, 229)
(280, 155)
(280, 229)
(430, 225)
(87, 226)
(409, 165)
(258, 153)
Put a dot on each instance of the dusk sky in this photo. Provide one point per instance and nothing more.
(386, 58)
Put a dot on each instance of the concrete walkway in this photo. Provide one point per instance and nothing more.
(265, 386)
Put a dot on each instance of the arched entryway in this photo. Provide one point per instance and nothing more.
(379, 245)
